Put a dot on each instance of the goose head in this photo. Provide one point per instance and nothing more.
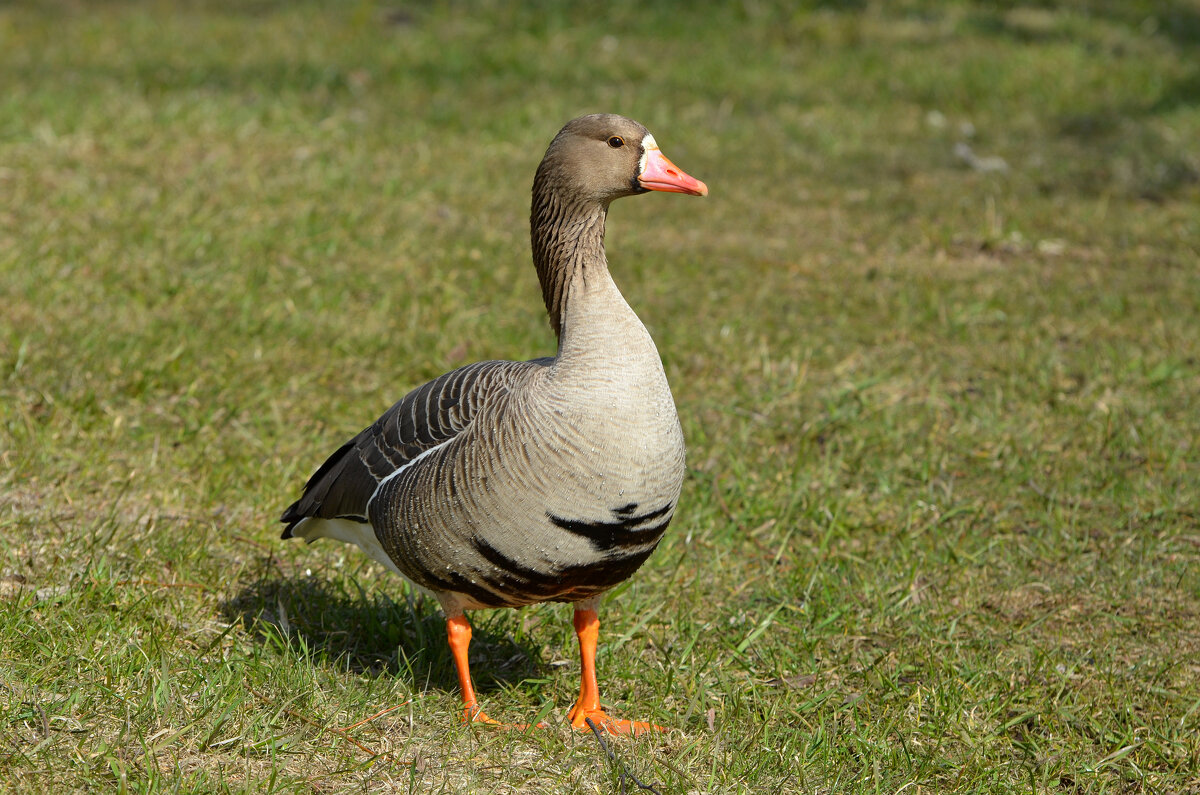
(603, 156)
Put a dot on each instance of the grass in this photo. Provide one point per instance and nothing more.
(939, 532)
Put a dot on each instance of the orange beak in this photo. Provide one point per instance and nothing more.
(661, 174)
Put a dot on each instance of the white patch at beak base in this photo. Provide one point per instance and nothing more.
(648, 143)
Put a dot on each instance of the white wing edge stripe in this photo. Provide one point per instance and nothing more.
(433, 449)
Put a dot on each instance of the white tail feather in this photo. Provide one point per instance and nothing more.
(347, 531)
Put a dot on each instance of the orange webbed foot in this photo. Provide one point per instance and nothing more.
(476, 715)
(584, 720)
(473, 714)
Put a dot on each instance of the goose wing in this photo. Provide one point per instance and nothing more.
(428, 416)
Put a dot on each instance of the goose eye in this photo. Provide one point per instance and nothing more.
(616, 142)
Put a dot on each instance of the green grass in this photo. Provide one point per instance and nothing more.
(940, 528)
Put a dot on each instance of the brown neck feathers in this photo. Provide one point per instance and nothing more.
(567, 235)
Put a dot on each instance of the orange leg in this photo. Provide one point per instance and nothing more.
(587, 627)
(458, 632)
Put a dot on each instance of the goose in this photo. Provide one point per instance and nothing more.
(509, 483)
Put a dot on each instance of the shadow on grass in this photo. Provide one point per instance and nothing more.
(343, 624)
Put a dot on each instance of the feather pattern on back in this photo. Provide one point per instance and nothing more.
(424, 418)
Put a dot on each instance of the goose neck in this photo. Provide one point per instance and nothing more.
(568, 249)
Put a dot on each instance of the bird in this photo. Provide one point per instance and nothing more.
(510, 483)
